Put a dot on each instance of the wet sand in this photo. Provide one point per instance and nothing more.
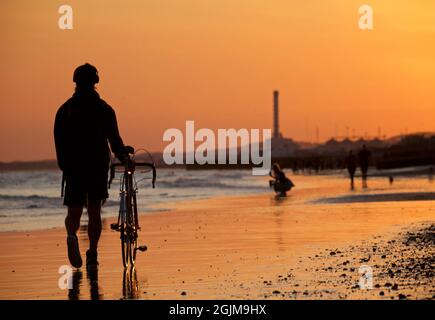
(250, 247)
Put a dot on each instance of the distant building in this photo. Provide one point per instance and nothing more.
(281, 147)
(287, 148)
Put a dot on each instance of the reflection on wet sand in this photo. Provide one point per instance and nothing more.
(130, 284)
(92, 275)
(74, 292)
(278, 213)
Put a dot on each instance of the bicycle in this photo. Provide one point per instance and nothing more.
(128, 221)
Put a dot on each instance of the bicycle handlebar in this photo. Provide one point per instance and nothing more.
(130, 166)
(152, 166)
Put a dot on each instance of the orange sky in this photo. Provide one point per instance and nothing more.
(217, 62)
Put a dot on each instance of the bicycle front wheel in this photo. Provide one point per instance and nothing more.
(124, 245)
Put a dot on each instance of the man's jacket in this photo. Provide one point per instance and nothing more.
(84, 126)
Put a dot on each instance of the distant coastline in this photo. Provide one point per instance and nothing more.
(29, 165)
(51, 164)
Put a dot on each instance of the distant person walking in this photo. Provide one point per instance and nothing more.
(364, 160)
(83, 127)
(351, 163)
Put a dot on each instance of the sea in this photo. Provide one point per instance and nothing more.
(31, 200)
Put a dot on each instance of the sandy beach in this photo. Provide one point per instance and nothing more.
(246, 247)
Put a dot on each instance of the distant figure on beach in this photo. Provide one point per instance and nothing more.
(281, 184)
(391, 179)
(351, 163)
(83, 127)
(364, 159)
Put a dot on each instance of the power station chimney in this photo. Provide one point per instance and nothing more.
(276, 134)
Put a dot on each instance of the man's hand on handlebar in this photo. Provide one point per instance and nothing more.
(128, 149)
(124, 156)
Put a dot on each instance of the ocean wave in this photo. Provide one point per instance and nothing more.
(229, 175)
(18, 197)
(202, 183)
(36, 202)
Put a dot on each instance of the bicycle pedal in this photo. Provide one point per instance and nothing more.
(114, 226)
(142, 248)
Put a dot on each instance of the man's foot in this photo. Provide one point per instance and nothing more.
(73, 251)
(91, 259)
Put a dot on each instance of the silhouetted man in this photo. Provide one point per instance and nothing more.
(351, 167)
(364, 159)
(83, 127)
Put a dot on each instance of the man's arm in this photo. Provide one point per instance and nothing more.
(59, 138)
(115, 140)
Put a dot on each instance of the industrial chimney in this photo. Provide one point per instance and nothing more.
(276, 134)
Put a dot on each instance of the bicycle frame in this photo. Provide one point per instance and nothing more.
(128, 220)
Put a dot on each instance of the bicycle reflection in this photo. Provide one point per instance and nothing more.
(130, 284)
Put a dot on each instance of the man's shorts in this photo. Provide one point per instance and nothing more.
(81, 189)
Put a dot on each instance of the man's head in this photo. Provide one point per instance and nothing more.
(86, 76)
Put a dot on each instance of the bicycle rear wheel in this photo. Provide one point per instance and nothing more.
(134, 230)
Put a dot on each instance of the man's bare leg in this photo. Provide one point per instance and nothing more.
(72, 221)
(94, 226)
(72, 224)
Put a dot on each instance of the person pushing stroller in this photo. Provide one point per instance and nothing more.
(281, 184)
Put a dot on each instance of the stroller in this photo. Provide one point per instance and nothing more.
(281, 184)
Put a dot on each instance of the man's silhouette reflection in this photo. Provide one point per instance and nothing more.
(74, 292)
(92, 276)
